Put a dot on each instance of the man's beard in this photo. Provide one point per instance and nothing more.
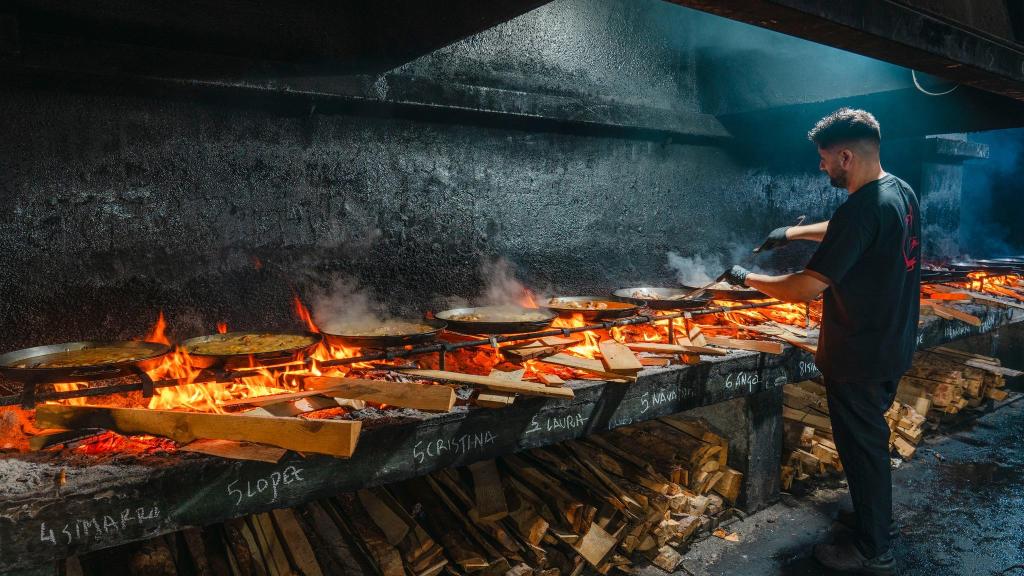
(839, 180)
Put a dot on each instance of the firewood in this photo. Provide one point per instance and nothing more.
(352, 516)
(595, 367)
(488, 494)
(494, 399)
(741, 344)
(291, 408)
(667, 559)
(390, 524)
(426, 397)
(242, 548)
(950, 313)
(494, 384)
(595, 544)
(904, 448)
(296, 545)
(333, 437)
(330, 535)
(193, 538)
(619, 359)
(236, 450)
(819, 422)
(656, 347)
(651, 361)
(550, 379)
(528, 352)
(153, 558)
(263, 526)
(730, 485)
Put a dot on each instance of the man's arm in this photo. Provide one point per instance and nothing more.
(799, 287)
(814, 232)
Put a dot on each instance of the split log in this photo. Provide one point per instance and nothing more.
(236, 450)
(426, 397)
(332, 437)
(489, 496)
(741, 344)
(619, 359)
(495, 384)
(595, 367)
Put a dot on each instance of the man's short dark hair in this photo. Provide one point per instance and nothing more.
(846, 125)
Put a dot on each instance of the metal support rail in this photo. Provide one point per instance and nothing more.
(441, 349)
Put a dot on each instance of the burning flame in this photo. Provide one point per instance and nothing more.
(303, 313)
(222, 327)
(528, 299)
(157, 332)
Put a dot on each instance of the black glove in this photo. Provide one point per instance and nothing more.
(737, 276)
(776, 238)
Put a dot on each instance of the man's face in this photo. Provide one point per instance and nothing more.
(835, 162)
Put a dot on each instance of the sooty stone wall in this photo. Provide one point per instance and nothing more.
(117, 203)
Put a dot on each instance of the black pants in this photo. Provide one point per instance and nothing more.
(861, 435)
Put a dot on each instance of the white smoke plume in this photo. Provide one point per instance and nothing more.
(698, 270)
(501, 287)
(346, 307)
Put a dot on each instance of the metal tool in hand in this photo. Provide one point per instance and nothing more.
(699, 291)
(799, 221)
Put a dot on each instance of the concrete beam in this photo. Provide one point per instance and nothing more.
(889, 31)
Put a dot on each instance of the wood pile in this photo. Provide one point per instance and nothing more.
(808, 447)
(638, 493)
(941, 382)
(945, 381)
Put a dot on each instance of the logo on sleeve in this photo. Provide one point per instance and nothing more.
(911, 243)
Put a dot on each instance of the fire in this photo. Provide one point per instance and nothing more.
(222, 327)
(999, 284)
(528, 299)
(156, 333)
(303, 313)
(588, 348)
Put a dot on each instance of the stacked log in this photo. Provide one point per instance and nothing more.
(945, 381)
(808, 447)
(598, 504)
(941, 382)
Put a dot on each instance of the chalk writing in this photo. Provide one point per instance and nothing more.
(736, 380)
(808, 369)
(101, 527)
(654, 399)
(780, 381)
(463, 444)
(953, 331)
(551, 423)
(920, 338)
(267, 485)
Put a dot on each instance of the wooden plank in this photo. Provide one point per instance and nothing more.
(595, 367)
(489, 496)
(426, 397)
(618, 358)
(266, 535)
(949, 312)
(993, 368)
(659, 362)
(986, 299)
(819, 422)
(487, 399)
(704, 350)
(741, 344)
(236, 450)
(595, 544)
(332, 437)
(294, 539)
(390, 523)
(495, 384)
(550, 379)
(655, 347)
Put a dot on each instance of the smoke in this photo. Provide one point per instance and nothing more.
(345, 307)
(701, 269)
(990, 209)
(501, 287)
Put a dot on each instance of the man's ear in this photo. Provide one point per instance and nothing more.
(845, 157)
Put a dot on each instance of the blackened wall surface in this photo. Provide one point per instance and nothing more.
(118, 203)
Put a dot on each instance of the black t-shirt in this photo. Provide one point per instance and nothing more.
(871, 259)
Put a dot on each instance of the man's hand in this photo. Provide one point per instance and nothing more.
(737, 276)
(776, 239)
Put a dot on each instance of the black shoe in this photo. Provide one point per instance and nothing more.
(848, 520)
(847, 557)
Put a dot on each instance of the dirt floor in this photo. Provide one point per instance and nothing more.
(959, 503)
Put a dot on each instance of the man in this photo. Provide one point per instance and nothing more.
(868, 265)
